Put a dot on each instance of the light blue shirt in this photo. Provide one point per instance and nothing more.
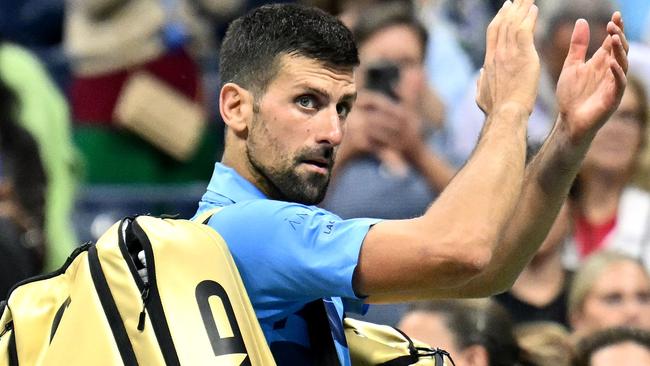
(288, 255)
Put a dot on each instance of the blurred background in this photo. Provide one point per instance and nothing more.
(109, 108)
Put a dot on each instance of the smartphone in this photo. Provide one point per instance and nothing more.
(383, 77)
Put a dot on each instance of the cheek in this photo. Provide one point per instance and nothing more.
(598, 313)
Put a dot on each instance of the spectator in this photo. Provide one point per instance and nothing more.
(286, 92)
(607, 211)
(111, 45)
(615, 346)
(385, 168)
(448, 65)
(22, 198)
(466, 120)
(545, 343)
(540, 292)
(473, 332)
(609, 289)
(640, 66)
(43, 112)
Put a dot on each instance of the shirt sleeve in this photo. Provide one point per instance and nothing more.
(289, 252)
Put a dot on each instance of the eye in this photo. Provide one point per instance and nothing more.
(643, 297)
(306, 101)
(613, 298)
(343, 109)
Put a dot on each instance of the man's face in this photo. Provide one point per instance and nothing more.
(297, 127)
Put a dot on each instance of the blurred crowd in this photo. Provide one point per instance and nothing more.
(109, 108)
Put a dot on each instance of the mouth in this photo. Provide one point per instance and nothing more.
(319, 165)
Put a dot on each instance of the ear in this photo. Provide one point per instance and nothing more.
(236, 107)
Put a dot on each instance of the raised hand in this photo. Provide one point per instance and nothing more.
(511, 70)
(378, 123)
(589, 92)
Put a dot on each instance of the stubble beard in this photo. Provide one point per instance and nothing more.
(282, 180)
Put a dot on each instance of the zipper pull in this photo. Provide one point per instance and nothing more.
(8, 327)
(145, 296)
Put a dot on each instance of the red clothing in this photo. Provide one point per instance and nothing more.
(93, 98)
(591, 237)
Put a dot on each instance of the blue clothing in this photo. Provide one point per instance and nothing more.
(288, 255)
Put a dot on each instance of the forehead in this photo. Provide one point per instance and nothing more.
(392, 42)
(609, 279)
(302, 72)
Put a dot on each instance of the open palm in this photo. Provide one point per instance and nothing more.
(589, 92)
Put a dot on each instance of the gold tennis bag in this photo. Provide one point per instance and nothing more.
(97, 310)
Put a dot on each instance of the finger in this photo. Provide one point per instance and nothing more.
(619, 53)
(522, 10)
(579, 43)
(614, 29)
(530, 21)
(617, 18)
(619, 77)
(493, 31)
(381, 137)
(600, 59)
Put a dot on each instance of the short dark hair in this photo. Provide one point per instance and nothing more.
(387, 14)
(479, 323)
(593, 343)
(254, 43)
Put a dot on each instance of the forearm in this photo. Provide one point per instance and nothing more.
(480, 199)
(489, 184)
(455, 238)
(547, 182)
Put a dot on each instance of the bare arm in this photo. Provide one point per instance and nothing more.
(588, 93)
(454, 240)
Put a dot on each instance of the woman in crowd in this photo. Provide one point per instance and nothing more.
(609, 289)
(540, 292)
(608, 212)
(474, 332)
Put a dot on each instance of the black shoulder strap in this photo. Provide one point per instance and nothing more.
(320, 334)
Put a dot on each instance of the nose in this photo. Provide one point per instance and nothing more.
(331, 128)
(632, 310)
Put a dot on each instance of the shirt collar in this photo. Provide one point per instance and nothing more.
(227, 183)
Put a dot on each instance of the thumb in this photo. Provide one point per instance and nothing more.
(579, 43)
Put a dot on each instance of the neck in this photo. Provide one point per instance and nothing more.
(600, 195)
(236, 159)
(542, 280)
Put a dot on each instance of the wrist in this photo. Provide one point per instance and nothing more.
(513, 108)
(416, 152)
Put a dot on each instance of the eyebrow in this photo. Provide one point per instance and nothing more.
(347, 98)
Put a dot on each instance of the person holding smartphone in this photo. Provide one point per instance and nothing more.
(387, 166)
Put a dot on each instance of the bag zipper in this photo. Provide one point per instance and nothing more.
(145, 296)
(9, 326)
(151, 302)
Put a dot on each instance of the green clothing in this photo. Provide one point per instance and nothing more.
(114, 156)
(44, 113)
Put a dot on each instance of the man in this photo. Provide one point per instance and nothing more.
(288, 85)
(386, 167)
(614, 346)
